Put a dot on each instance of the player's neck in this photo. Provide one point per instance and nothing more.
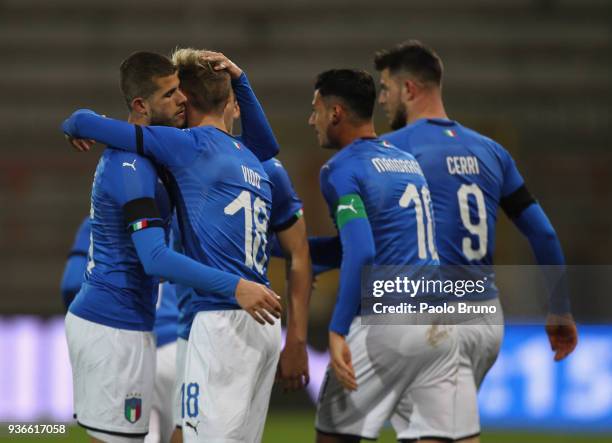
(210, 120)
(351, 133)
(430, 107)
(137, 119)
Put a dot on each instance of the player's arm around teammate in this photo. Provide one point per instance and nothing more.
(172, 146)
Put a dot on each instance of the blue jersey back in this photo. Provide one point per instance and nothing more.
(468, 174)
(395, 195)
(116, 291)
(286, 205)
(223, 201)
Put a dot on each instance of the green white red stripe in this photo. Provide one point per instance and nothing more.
(137, 226)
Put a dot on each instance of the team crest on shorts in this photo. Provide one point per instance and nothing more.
(133, 408)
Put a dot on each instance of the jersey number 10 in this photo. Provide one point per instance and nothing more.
(411, 195)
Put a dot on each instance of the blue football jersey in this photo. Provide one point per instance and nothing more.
(468, 175)
(286, 207)
(395, 195)
(166, 316)
(116, 291)
(223, 200)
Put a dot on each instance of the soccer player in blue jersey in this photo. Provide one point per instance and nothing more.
(376, 196)
(115, 307)
(223, 200)
(289, 227)
(470, 176)
(290, 232)
(161, 424)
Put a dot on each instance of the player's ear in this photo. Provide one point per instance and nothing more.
(140, 106)
(336, 114)
(408, 91)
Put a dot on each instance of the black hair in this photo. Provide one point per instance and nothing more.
(413, 57)
(354, 87)
(138, 72)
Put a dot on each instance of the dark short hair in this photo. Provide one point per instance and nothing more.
(413, 57)
(354, 87)
(138, 72)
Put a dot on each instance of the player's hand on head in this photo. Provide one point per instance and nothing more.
(219, 62)
(80, 144)
(562, 334)
(341, 361)
(259, 301)
(293, 366)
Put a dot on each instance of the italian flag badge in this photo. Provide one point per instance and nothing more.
(137, 226)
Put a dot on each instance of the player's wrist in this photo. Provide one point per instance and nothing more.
(236, 72)
(336, 334)
(239, 78)
(554, 318)
(296, 340)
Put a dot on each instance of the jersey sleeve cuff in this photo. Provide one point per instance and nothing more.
(240, 81)
(289, 222)
(340, 324)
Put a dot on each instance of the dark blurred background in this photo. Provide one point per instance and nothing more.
(533, 74)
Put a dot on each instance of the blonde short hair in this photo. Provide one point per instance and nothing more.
(207, 90)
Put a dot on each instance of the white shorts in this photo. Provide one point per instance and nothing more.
(396, 366)
(161, 423)
(479, 344)
(112, 372)
(177, 402)
(229, 372)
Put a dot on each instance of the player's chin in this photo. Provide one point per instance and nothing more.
(179, 120)
(390, 117)
(323, 141)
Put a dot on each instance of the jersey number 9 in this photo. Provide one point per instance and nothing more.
(479, 228)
